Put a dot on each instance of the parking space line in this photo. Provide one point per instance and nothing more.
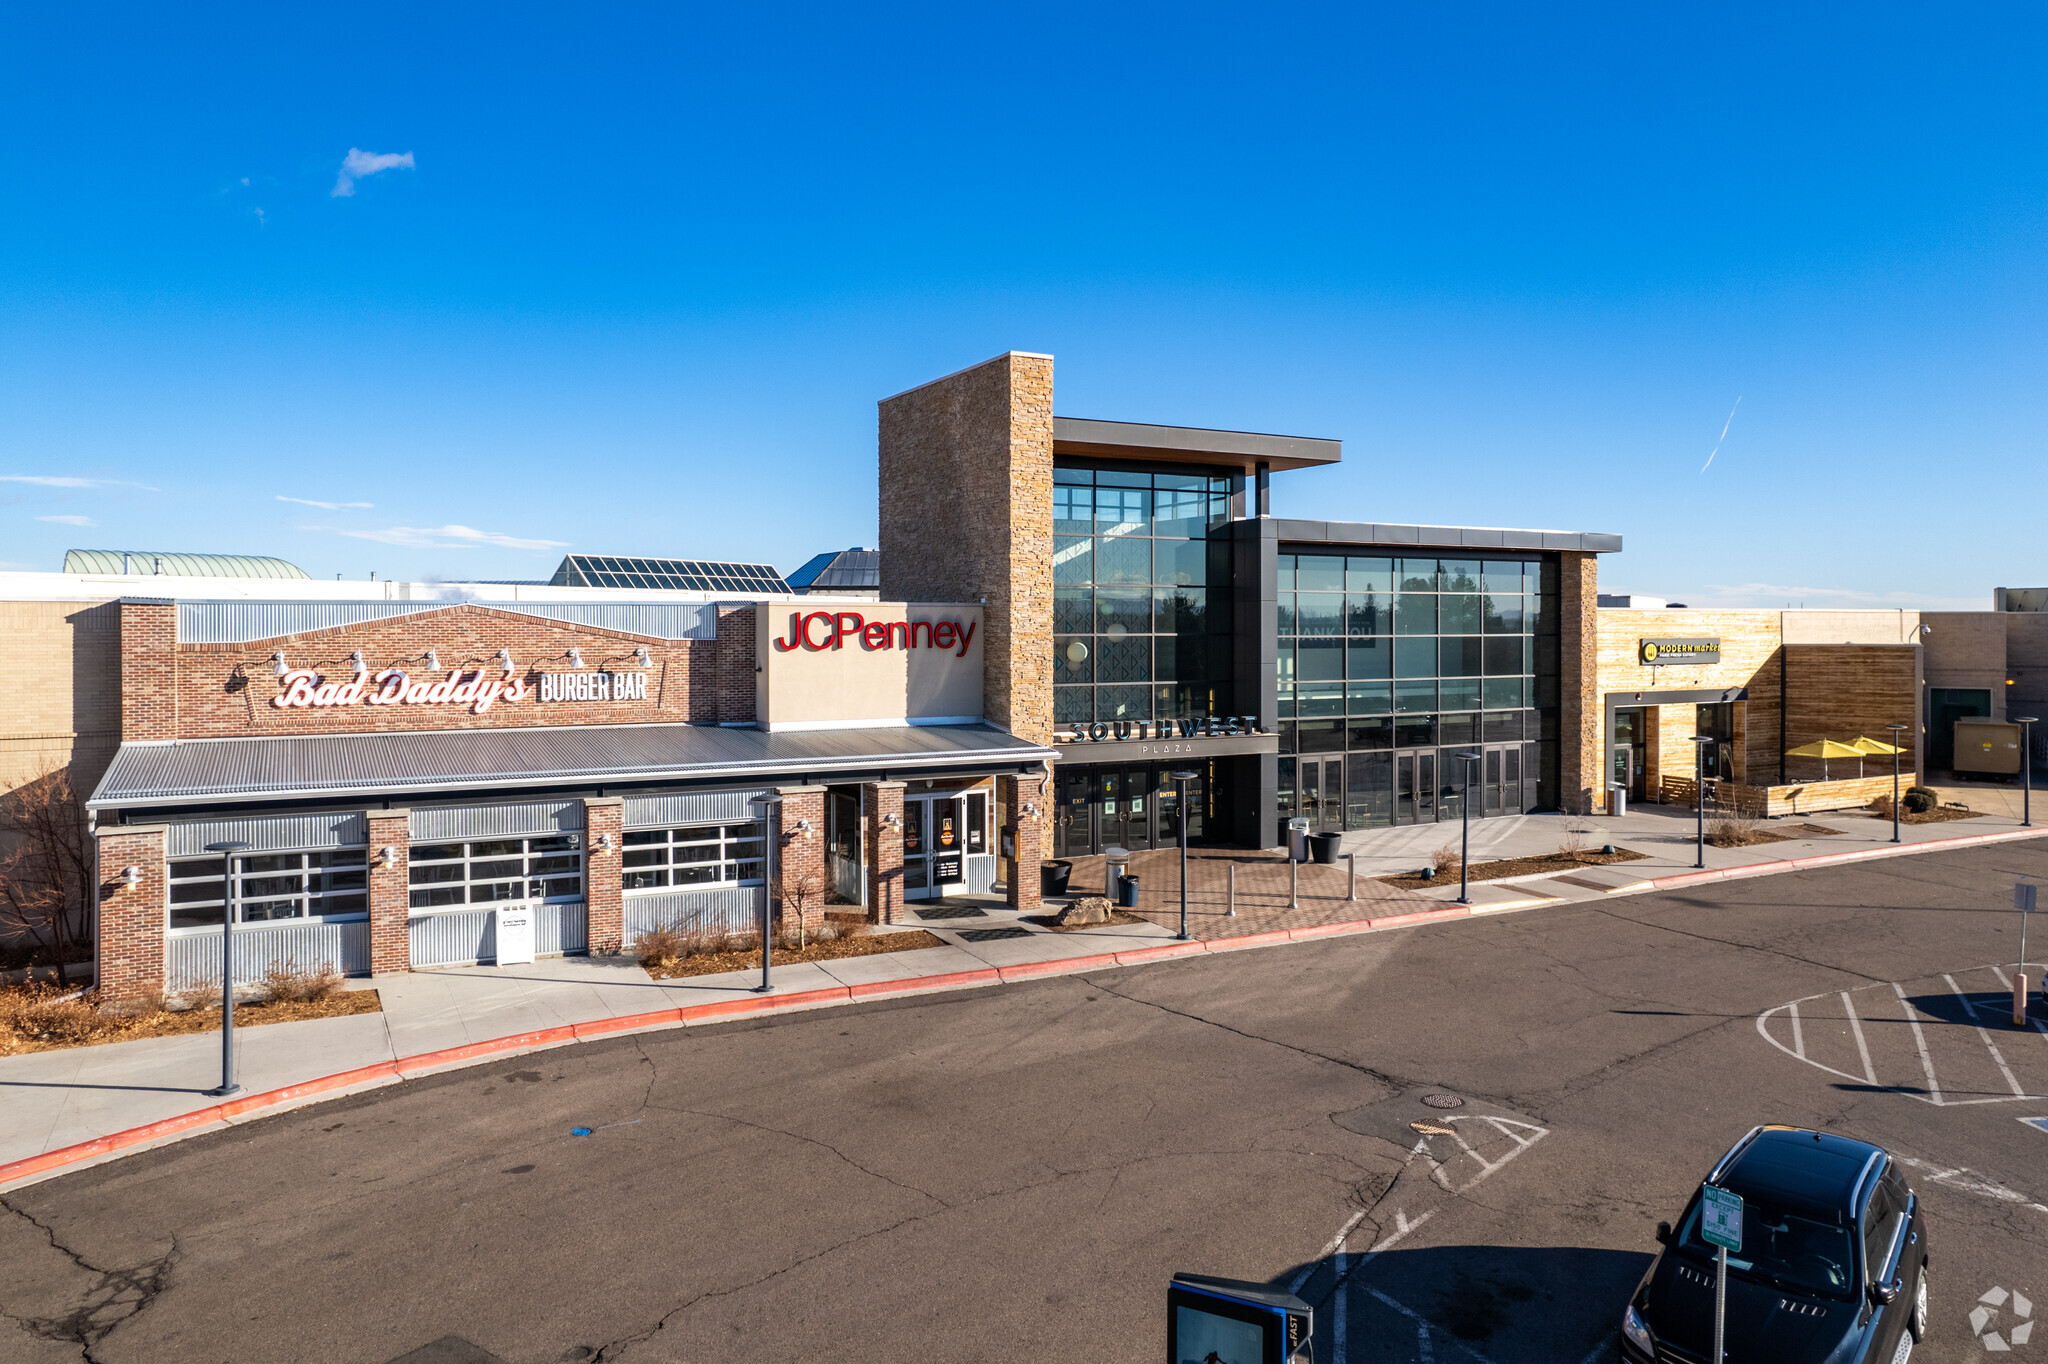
(1920, 1041)
(1989, 1045)
(1425, 1353)
(1798, 1037)
(1327, 1251)
(1415, 1317)
(1862, 1047)
(1402, 1226)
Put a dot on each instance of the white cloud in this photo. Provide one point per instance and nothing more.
(66, 481)
(446, 537)
(1779, 595)
(358, 164)
(70, 520)
(326, 506)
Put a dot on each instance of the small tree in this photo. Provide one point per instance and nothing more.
(797, 895)
(46, 889)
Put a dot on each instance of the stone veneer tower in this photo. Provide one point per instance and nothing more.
(966, 515)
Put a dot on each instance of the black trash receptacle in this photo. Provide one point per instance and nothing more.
(1052, 877)
(1323, 848)
(1127, 893)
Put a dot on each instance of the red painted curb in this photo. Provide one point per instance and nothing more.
(1423, 916)
(1694, 878)
(1270, 938)
(939, 982)
(1061, 966)
(1138, 954)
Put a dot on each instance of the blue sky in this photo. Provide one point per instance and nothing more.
(649, 268)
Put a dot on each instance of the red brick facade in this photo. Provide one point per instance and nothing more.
(884, 852)
(130, 953)
(1025, 831)
(149, 671)
(390, 941)
(800, 873)
(603, 885)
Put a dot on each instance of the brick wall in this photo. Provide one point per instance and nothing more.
(217, 690)
(965, 500)
(390, 896)
(1020, 873)
(130, 953)
(800, 874)
(884, 853)
(603, 881)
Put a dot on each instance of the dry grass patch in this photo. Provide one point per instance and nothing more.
(45, 1018)
(670, 955)
(1551, 864)
(1740, 831)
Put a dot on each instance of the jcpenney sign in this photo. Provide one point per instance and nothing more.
(830, 629)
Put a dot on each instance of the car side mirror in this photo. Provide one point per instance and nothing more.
(1885, 1294)
(1664, 1233)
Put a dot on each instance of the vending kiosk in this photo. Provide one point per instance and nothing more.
(1227, 1321)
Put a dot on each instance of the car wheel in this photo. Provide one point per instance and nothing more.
(1917, 1323)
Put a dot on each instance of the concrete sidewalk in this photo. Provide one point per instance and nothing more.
(75, 1106)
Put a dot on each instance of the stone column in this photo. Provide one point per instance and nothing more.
(1582, 767)
(884, 851)
(800, 874)
(603, 881)
(129, 949)
(1026, 830)
(390, 895)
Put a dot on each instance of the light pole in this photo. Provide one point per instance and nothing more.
(2027, 723)
(227, 853)
(1699, 795)
(1898, 733)
(1465, 835)
(1184, 776)
(762, 805)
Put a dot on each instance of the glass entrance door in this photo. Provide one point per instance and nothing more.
(1631, 742)
(933, 846)
(1502, 779)
(1415, 788)
(1074, 821)
(1322, 793)
(1134, 827)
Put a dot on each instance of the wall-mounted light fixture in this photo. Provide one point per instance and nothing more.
(505, 659)
(1030, 810)
(386, 856)
(131, 875)
(433, 660)
(892, 821)
(277, 663)
(575, 658)
(803, 828)
(642, 657)
(604, 843)
(356, 660)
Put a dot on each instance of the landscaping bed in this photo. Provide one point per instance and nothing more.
(45, 1018)
(1940, 814)
(1551, 864)
(680, 958)
(1052, 921)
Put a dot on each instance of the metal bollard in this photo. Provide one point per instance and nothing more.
(2019, 1000)
(1293, 884)
(1351, 864)
(1230, 911)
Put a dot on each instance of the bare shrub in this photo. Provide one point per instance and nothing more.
(289, 983)
(1573, 843)
(1445, 861)
(1735, 831)
(40, 1013)
(205, 996)
(798, 894)
(46, 890)
(661, 947)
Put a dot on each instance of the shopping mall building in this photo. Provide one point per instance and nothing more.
(1068, 612)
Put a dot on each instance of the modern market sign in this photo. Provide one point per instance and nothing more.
(1659, 653)
(478, 691)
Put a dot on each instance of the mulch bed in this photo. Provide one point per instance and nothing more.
(40, 1018)
(711, 963)
(1940, 814)
(1051, 921)
(1549, 863)
(1816, 829)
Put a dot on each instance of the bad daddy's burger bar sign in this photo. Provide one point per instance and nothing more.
(477, 690)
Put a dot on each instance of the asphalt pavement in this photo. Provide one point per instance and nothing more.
(1013, 1173)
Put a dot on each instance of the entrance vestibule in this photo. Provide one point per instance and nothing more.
(1134, 806)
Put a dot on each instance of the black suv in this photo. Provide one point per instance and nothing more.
(1832, 1270)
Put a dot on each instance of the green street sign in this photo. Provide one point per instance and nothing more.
(1720, 1217)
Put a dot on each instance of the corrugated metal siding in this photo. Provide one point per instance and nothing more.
(194, 958)
(238, 622)
(980, 873)
(281, 833)
(727, 910)
(706, 807)
(561, 929)
(496, 821)
(465, 938)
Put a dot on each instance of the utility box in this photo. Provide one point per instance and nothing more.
(1989, 748)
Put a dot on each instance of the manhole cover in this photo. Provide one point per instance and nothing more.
(951, 912)
(993, 934)
(1442, 1101)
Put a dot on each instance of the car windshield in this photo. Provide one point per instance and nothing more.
(1791, 1251)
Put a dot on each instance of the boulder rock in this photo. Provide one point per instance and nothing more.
(1092, 910)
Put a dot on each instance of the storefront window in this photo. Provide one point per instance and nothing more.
(699, 855)
(272, 886)
(491, 871)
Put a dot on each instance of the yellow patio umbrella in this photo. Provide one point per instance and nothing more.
(1876, 748)
(1825, 749)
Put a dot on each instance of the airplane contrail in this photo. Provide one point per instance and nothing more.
(1724, 434)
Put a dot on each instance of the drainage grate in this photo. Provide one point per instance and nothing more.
(1442, 1101)
(993, 934)
(952, 912)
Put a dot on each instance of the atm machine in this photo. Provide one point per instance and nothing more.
(1228, 1321)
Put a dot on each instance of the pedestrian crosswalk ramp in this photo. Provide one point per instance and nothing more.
(1945, 1039)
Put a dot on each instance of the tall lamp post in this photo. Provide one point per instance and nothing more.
(1465, 835)
(227, 853)
(2026, 723)
(1898, 733)
(1184, 776)
(762, 806)
(1699, 795)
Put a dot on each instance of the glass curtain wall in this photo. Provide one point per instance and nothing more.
(1392, 664)
(1139, 595)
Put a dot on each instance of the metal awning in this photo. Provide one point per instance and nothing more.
(210, 771)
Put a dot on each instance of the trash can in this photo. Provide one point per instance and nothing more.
(1115, 862)
(1617, 799)
(1322, 848)
(1127, 893)
(1297, 840)
(1052, 877)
